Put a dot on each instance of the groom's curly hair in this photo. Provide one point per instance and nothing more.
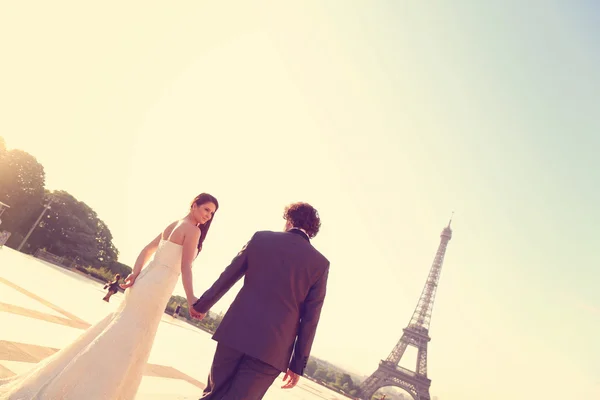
(304, 216)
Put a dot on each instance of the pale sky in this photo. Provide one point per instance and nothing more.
(386, 116)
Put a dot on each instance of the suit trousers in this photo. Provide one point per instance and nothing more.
(237, 376)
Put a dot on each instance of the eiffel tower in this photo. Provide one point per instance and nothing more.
(416, 334)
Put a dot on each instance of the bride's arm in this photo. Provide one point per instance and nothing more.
(145, 255)
(142, 259)
(150, 249)
(190, 250)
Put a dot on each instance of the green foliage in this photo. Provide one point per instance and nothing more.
(72, 229)
(210, 323)
(103, 273)
(69, 229)
(331, 376)
(22, 180)
(119, 268)
(82, 269)
(311, 367)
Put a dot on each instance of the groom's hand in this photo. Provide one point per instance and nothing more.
(292, 379)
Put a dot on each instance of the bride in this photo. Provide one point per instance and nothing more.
(107, 361)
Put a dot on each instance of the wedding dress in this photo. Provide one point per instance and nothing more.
(107, 361)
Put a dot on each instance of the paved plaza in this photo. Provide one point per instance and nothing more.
(43, 307)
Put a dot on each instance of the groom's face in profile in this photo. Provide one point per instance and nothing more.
(204, 212)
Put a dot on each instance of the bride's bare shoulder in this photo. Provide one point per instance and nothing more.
(170, 228)
(181, 226)
(190, 228)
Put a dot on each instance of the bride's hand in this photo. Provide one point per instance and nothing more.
(129, 281)
(191, 301)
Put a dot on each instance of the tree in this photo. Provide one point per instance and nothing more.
(107, 252)
(72, 229)
(330, 376)
(321, 374)
(311, 367)
(22, 180)
(346, 379)
(120, 268)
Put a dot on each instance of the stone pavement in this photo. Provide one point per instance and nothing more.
(43, 307)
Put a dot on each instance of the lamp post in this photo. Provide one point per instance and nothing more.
(46, 208)
(3, 208)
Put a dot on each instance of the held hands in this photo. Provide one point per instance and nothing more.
(197, 315)
(292, 379)
(193, 313)
(129, 281)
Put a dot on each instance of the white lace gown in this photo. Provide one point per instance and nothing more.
(107, 361)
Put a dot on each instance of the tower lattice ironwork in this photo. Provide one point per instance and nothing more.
(416, 334)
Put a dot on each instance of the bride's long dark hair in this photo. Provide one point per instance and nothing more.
(204, 198)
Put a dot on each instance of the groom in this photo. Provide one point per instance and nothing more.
(275, 314)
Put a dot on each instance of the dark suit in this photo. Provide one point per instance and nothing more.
(274, 315)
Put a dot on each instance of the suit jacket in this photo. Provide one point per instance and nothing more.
(277, 310)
